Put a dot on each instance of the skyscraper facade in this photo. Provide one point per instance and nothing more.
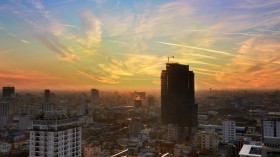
(178, 96)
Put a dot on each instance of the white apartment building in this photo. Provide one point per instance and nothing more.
(229, 131)
(271, 130)
(55, 135)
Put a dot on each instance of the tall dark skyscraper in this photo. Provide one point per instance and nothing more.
(177, 96)
(47, 101)
(8, 92)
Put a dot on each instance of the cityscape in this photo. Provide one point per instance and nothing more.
(129, 78)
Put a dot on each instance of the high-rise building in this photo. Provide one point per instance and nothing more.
(229, 131)
(271, 130)
(47, 101)
(137, 102)
(94, 96)
(151, 101)
(135, 126)
(55, 134)
(271, 135)
(4, 114)
(83, 108)
(8, 92)
(178, 96)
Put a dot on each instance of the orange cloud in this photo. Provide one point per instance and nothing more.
(248, 73)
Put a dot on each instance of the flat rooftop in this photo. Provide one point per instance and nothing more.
(251, 150)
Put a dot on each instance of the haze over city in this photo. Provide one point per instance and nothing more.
(124, 44)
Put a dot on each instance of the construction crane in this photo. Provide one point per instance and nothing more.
(169, 57)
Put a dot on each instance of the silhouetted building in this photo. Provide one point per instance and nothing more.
(94, 96)
(135, 94)
(137, 102)
(151, 101)
(177, 96)
(8, 92)
(135, 126)
(47, 101)
(4, 114)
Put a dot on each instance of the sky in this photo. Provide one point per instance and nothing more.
(124, 44)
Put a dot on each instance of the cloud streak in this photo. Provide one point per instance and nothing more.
(25, 41)
(196, 48)
(96, 77)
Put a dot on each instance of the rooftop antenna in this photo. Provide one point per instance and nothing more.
(169, 57)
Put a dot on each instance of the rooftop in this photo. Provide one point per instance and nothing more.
(251, 150)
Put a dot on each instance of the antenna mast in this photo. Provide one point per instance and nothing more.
(169, 57)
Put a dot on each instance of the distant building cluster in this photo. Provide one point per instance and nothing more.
(97, 123)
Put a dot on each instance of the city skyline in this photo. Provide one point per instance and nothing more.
(124, 44)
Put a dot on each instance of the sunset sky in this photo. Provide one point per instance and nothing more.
(124, 44)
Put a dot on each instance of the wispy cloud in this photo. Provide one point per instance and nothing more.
(119, 42)
(12, 35)
(249, 4)
(25, 41)
(203, 73)
(67, 25)
(54, 25)
(207, 83)
(197, 48)
(207, 70)
(115, 44)
(266, 30)
(92, 28)
(52, 43)
(198, 55)
(97, 77)
(100, 1)
(253, 73)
